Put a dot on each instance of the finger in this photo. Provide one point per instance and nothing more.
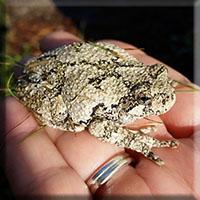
(176, 176)
(56, 39)
(145, 182)
(126, 182)
(136, 183)
(33, 164)
(89, 152)
(184, 116)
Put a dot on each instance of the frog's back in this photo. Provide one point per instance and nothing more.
(65, 86)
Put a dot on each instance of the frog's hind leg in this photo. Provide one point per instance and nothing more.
(114, 133)
(149, 128)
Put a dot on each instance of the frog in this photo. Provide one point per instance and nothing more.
(99, 87)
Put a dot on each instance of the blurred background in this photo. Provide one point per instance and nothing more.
(163, 32)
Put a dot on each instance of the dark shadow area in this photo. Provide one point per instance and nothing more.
(165, 33)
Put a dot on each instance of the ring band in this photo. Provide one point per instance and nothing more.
(107, 170)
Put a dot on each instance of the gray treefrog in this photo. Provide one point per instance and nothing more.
(99, 87)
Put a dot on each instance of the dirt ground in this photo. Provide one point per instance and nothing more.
(26, 25)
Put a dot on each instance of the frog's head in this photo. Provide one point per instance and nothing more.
(152, 94)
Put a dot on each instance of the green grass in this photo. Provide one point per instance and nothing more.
(6, 70)
(8, 62)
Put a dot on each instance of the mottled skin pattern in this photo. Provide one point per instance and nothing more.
(100, 87)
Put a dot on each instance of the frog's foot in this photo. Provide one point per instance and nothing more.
(114, 133)
(155, 158)
(165, 143)
(149, 128)
(145, 129)
(181, 86)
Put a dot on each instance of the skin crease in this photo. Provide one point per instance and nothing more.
(52, 162)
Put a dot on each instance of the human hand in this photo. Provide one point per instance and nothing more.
(50, 162)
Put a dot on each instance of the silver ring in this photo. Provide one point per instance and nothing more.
(104, 173)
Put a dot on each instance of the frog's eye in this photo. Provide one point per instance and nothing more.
(144, 99)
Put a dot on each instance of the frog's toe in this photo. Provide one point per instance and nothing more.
(155, 158)
(166, 143)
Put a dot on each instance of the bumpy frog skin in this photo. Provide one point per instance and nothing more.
(99, 87)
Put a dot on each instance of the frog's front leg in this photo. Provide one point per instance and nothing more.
(114, 133)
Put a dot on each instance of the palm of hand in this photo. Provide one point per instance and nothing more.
(49, 162)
